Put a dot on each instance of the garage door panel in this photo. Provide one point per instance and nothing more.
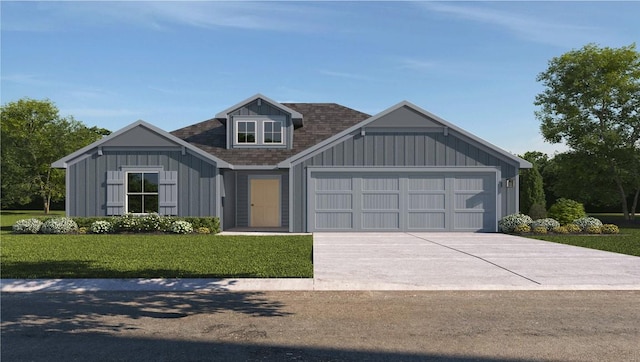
(426, 201)
(473, 201)
(468, 221)
(426, 220)
(426, 183)
(334, 183)
(380, 201)
(372, 183)
(380, 220)
(334, 220)
(334, 202)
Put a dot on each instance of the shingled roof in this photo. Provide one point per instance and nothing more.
(321, 121)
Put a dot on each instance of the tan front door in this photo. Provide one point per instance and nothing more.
(265, 202)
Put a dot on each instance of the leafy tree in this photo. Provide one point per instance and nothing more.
(531, 189)
(33, 135)
(591, 101)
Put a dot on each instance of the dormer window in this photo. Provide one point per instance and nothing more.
(272, 132)
(246, 133)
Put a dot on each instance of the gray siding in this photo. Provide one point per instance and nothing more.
(401, 149)
(88, 180)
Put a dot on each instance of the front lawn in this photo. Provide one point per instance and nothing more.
(150, 255)
(627, 242)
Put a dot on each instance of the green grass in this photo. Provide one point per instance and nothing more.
(151, 255)
(627, 242)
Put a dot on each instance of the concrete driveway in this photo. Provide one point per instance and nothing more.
(464, 261)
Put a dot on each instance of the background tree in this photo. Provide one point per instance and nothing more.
(33, 135)
(591, 101)
(532, 197)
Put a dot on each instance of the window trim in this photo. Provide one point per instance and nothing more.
(255, 127)
(127, 193)
(264, 126)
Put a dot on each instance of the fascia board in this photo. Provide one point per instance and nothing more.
(224, 114)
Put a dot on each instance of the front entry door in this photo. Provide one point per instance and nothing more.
(265, 202)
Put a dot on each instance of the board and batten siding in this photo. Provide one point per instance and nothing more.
(401, 149)
(88, 179)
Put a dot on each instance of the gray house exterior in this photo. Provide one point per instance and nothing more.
(301, 167)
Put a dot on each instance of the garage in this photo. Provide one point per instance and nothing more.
(394, 200)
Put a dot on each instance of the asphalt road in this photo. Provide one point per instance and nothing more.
(322, 326)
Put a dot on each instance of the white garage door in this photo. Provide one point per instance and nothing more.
(455, 201)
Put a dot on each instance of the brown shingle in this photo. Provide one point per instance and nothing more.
(321, 121)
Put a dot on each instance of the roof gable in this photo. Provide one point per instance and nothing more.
(257, 100)
(416, 117)
(137, 134)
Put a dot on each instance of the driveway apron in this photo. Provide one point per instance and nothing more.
(464, 261)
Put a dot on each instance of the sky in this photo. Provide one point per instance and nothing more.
(174, 64)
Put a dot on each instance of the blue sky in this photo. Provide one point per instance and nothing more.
(178, 63)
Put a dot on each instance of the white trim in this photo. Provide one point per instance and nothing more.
(141, 170)
(264, 132)
(237, 132)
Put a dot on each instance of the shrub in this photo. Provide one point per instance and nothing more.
(560, 230)
(537, 211)
(566, 211)
(610, 229)
(59, 225)
(540, 230)
(181, 227)
(101, 227)
(508, 223)
(27, 226)
(594, 230)
(522, 228)
(203, 230)
(547, 223)
(149, 223)
(586, 222)
(88, 221)
(82, 230)
(125, 223)
(573, 228)
(211, 223)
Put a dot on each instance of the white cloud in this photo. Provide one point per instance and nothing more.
(539, 28)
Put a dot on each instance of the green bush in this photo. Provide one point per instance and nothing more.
(27, 226)
(560, 230)
(101, 227)
(566, 211)
(211, 223)
(537, 211)
(522, 228)
(88, 221)
(573, 228)
(547, 223)
(610, 229)
(540, 230)
(586, 222)
(181, 227)
(508, 223)
(203, 230)
(593, 230)
(59, 225)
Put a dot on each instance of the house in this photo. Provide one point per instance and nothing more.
(300, 167)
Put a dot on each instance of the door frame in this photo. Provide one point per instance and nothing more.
(263, 177)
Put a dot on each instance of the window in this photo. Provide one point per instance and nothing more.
(246, 132)
(142, 192)
(272, 132)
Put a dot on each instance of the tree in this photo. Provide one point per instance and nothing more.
(33, 135)
(591, 101)
(531, 186)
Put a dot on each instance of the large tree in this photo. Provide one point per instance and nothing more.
(591, 101)
(531, 184)
(33, 135)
